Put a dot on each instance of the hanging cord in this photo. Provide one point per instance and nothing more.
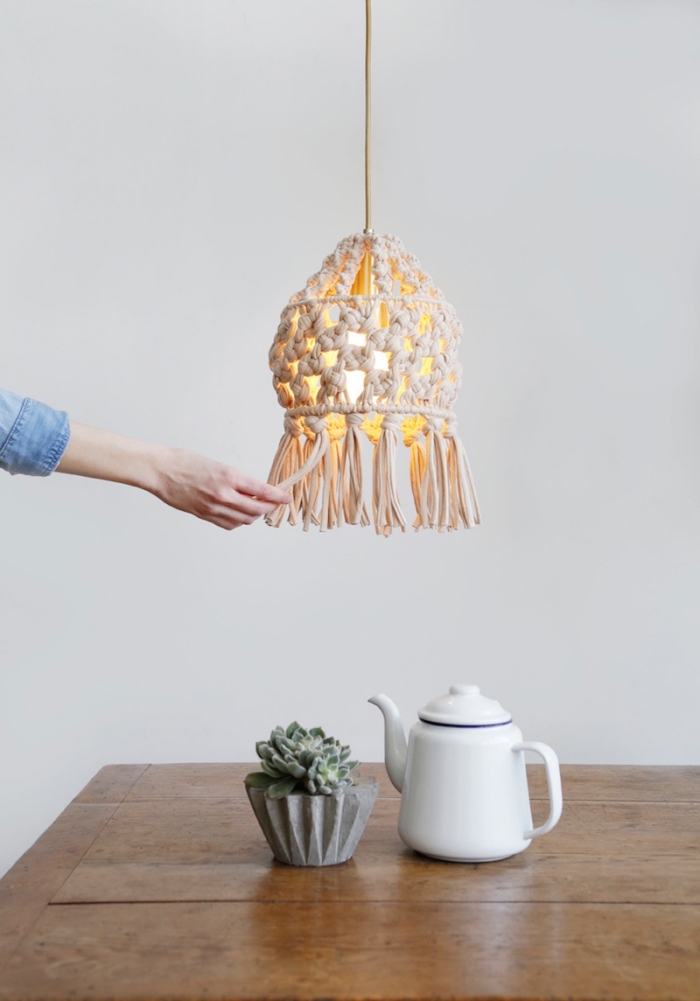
(368, 116)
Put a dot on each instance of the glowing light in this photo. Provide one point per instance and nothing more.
(364, 279)
(381, 360)
(355, 381)
(313, 382)
(354, 384)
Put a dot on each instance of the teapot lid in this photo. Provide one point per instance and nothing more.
(465, 706)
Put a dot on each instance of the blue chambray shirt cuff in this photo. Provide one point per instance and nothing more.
(37, 440)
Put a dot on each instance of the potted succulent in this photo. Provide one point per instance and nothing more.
(310, 808)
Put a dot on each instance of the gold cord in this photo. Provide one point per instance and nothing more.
(368, 116)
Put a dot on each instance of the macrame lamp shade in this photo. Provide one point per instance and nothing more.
(368, 351)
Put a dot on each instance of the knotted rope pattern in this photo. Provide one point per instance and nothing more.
(370, 346)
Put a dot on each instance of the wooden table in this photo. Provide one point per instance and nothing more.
(157, 883)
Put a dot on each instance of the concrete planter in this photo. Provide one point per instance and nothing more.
(302, 829)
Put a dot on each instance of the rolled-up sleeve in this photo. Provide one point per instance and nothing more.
(33, 437)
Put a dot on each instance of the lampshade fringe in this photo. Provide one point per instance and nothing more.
(463, 499)
(336, 491)
(324, 474)
(329, 490)
(288, 460)
(350, 481)
(386, 505)
(435, 486)
(300, 489)
(312, 471)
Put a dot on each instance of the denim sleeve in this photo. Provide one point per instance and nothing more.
(33, 437)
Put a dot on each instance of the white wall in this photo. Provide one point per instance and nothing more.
(171, 172)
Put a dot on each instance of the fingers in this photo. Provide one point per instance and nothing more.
(227, 523)
(263, 491)
(233, 509)
(251, 505)
(274, 495)
(230, 497)
(228, 518)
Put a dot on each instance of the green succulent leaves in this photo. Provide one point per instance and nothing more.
(301, 759)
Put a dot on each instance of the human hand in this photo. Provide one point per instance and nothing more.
(213, 491)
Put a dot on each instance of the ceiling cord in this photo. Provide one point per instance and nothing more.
(368, 116)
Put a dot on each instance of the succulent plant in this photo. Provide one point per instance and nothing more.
(308, 760)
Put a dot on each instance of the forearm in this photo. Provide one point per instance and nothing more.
(189, 482)
(106, 456)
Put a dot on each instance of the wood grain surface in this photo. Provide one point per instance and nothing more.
(27, 888)
(157, 883)
(350, 950)
(617, 783)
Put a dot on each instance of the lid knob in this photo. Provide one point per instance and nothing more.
(464, 689)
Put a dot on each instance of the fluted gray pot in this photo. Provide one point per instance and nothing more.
(302, 829)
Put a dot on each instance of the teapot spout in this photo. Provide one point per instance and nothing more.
(394, 740)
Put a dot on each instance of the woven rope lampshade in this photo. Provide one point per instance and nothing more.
(368, 352)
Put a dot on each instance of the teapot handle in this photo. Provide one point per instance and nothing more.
(551, 762)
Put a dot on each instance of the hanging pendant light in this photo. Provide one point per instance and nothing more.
(369, 350)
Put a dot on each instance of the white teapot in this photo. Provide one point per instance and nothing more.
(463, 780)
